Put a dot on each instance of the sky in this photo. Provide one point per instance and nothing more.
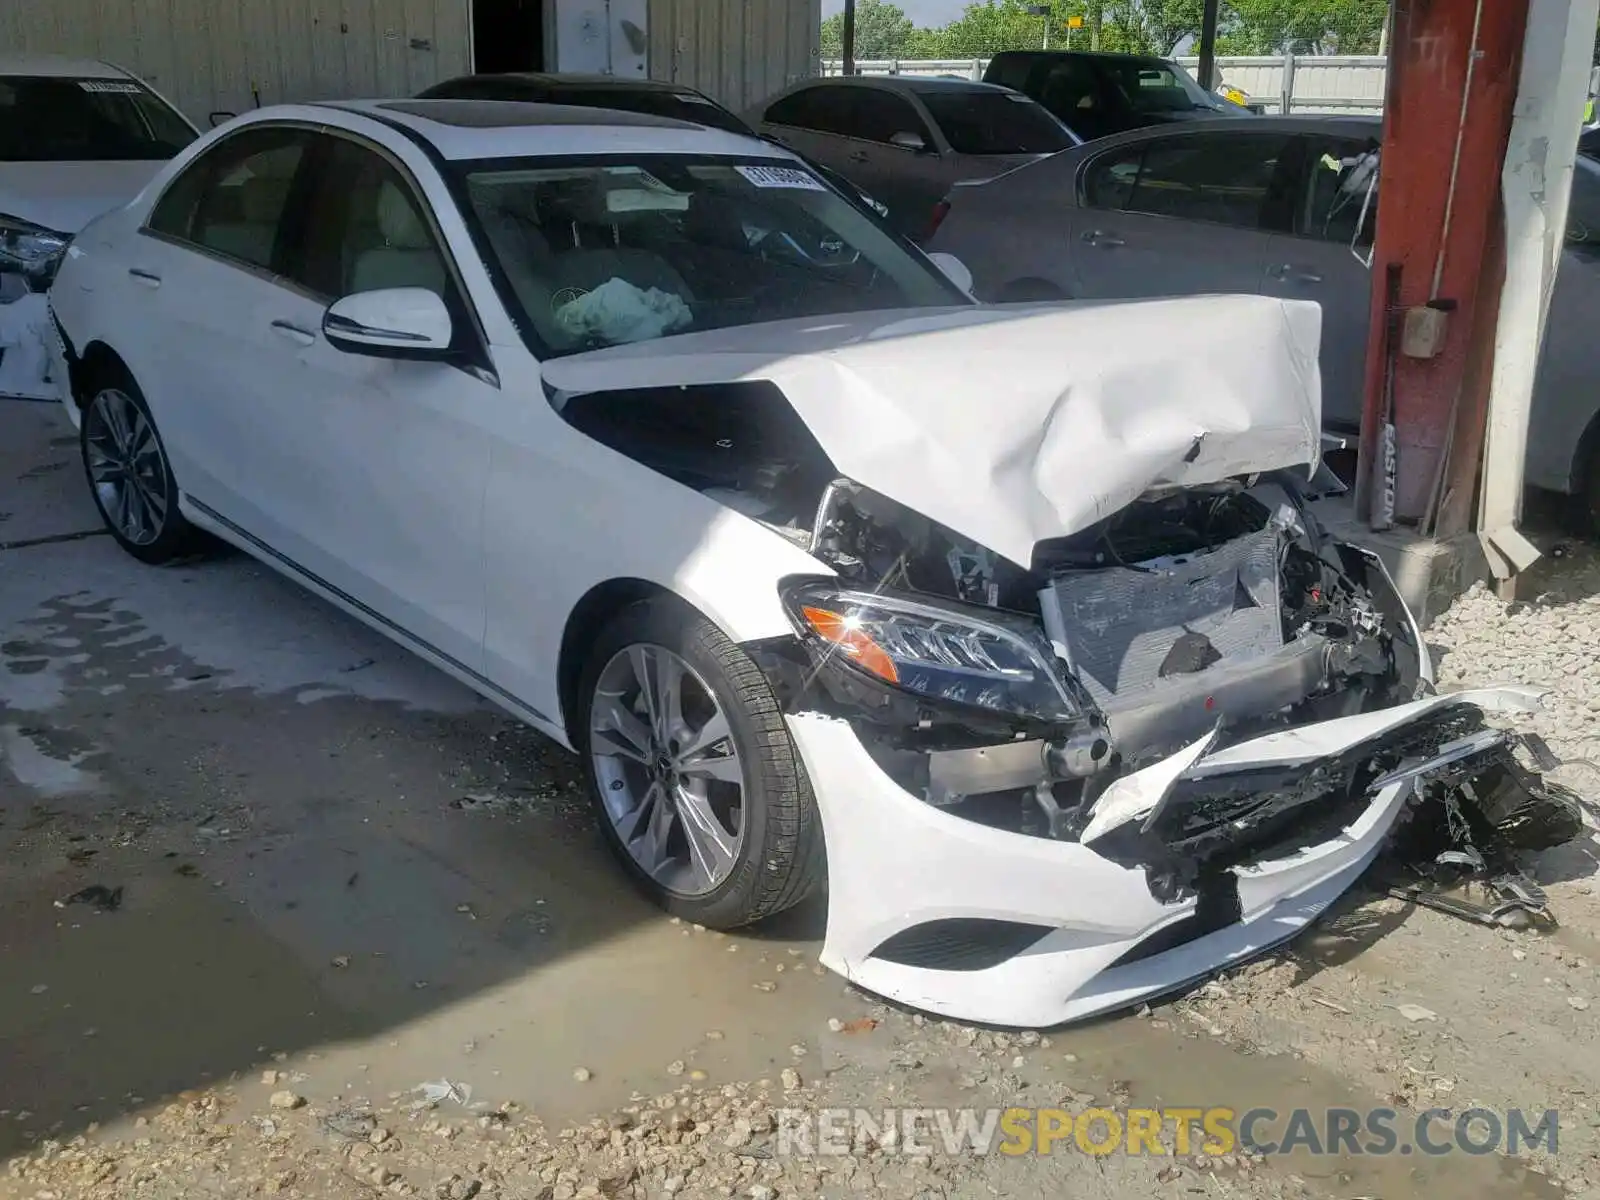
(925, 13)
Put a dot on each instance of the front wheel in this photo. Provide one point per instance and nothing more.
(699, 789)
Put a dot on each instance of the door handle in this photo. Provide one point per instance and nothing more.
(294, 332)
(149, 278)
(1096, 238)
(858, 156)
(1289, 271)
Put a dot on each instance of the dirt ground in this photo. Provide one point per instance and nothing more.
(342, 876)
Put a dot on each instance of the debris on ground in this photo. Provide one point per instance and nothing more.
(102, 898)
(431, 1095)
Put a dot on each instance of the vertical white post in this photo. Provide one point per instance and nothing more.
(1536, 183)
(1286, 90)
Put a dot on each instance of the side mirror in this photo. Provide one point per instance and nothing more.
(390, 323)
(953, 269)
(909, 141)
(218, 117)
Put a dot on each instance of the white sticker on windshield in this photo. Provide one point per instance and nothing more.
(782, 177)
(122, 87)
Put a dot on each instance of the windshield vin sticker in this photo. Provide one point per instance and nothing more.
(119, 86)
(781, 177)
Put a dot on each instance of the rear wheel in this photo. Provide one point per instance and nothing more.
(698, 787)
(129, 474)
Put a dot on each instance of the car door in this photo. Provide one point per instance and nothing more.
(372, 467)
(812, 120)
(1179, 214)
(1324, 258)
(893, 154)
(199, 279)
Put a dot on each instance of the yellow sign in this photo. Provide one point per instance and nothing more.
(1074, 22)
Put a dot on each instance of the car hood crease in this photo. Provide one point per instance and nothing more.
(1015, 425)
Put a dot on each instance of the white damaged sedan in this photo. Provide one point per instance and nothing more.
(1011, 625)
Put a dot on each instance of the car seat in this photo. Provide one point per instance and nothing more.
(407, 257)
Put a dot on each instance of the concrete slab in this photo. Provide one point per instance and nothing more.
(42, 490)
(1429, 572)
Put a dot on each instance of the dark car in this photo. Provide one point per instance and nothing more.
(649, 96)
(908, 139)
(1101, 94)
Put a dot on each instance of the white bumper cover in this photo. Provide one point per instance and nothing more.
(26, 358)
(895, 862)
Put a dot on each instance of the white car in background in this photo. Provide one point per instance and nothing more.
(77, 137)
(651, 437)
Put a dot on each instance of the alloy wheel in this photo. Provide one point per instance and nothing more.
(668, 769)
(126, 467)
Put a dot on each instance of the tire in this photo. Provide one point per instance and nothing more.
(1588, 497)
(129, 474)
(776, 858)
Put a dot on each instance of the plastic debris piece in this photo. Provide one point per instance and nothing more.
(431, 1095)
(103, 898)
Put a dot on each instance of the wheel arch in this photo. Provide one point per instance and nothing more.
(96, 362)
(594, 610)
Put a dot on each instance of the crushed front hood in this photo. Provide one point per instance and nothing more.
(1012, 425)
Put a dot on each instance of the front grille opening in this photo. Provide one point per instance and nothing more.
(960, 943)
(1216, 907)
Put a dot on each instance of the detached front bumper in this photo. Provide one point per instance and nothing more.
(954, 917)
(26, 355)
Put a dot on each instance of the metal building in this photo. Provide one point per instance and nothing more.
(229, 55)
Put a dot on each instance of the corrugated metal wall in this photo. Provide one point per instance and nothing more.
(737, 51)
(208, 55)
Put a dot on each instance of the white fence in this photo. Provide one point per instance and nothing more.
(1279, 83)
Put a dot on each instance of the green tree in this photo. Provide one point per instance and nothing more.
(882, 31)
(1304, 26)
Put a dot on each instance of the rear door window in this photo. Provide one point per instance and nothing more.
(234, 199)
(985, 122)
(1220, 178)
(822, 109)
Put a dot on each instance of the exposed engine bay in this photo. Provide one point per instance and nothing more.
(1019, 695)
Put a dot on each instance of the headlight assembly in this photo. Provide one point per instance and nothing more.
(945, 653)
(31, 249)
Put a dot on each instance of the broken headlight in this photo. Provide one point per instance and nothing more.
(944, 652)
(30, 249)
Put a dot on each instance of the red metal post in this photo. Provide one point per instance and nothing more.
(1439, 217)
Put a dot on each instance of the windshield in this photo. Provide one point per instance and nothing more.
(598, 252)
(53, 119)
(1153, 86)
(996, 123)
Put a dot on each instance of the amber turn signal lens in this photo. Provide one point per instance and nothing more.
(863, 651)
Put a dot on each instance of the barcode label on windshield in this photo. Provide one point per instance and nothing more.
(120, 86)
(781, 177)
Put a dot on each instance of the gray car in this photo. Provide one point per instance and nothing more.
(1281, 206)
(908, 140)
